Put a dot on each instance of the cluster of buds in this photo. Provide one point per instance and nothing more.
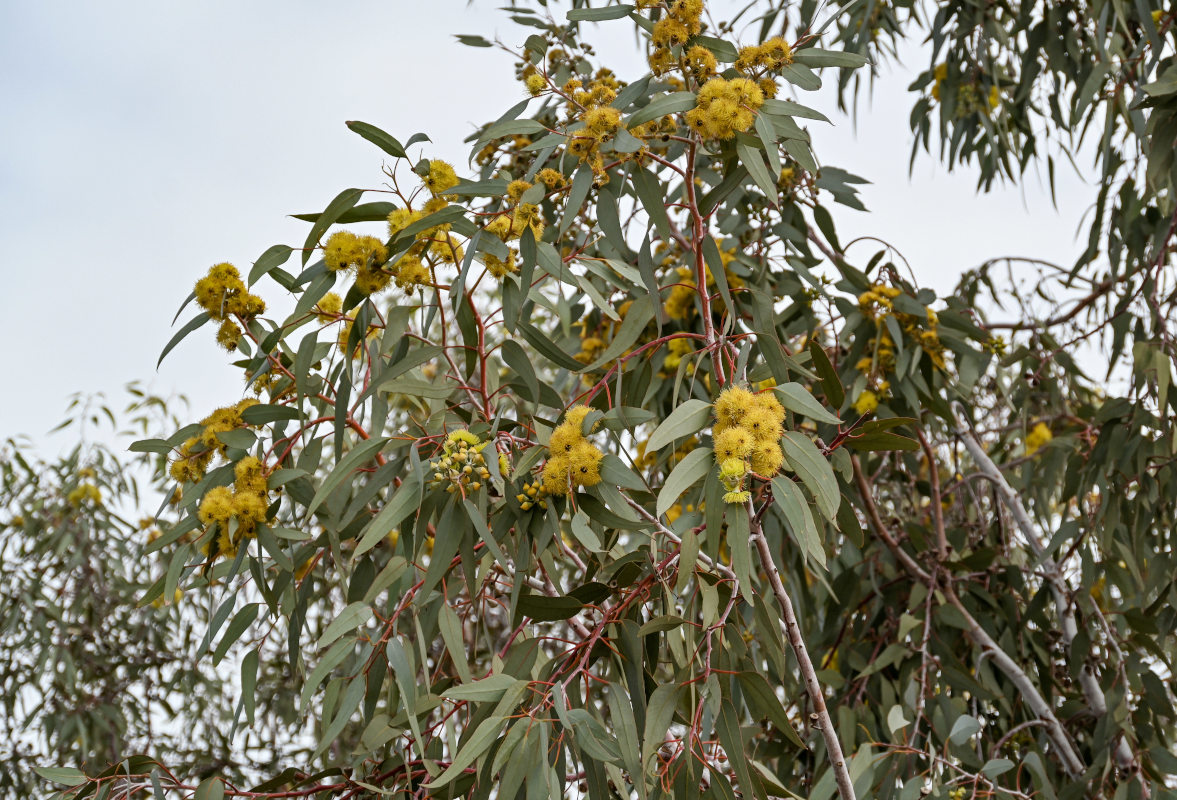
(531, 495)
(462, 465)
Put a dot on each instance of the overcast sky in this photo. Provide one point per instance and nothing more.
(143, 141)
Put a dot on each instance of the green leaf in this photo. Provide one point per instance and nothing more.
(599, 14)
(352, 617)
(150, 446)
(801, 77)
(659, 714)
(830, 383)
(384, 141)
(542, 608)
(687, 419)
(327, 663)
(241, 621)
(752, 159)
(636, 320)
(67, 776)
(249, 666)
(815, 57)
(484, 691)
(662, 105)
(815, 471)
(963, 729)
(261, 414)
(479, 742)
(210, 789)
(692, 469)
(275, 256)
(362, 453)
(401, 504)
(792, 504)
(797, 399)
(342, 202)
(883, 441)
(763, 702)
(192, 325)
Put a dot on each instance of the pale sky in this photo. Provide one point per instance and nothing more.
(143, 141)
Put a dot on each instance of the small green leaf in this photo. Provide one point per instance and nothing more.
(384, 141)
(362, 453)
(352, 617)
(797, 399)
(661, 106)
(486, 690)
(814, 470)
(692, 469)
(342, 202)
(599, 14)
(799, 521)
(687, 419)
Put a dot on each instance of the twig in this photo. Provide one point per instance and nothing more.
(793, 630)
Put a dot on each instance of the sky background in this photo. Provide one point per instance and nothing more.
(143, 141)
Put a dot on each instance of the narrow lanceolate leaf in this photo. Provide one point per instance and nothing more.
(599, 14)
(348, 620)
(752, 159)
(484, 691)
(692, 469)
(243, 619)
(816, 57)
(689, 418)
(799, 521)
(659, 714)
(192, 325)
(361, 454)
(384, 141)
(275, 256)
(797, 399)
(342, 202)
(661, 106)
(814, 470)
(479, 742)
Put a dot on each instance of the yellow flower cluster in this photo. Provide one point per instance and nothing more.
(574, 461)
(510, 226)
(682, 21)
(878, 300)
(536, 84)
(725, 108)
(462, 465)
(553, 179)
(677, 350)
(196, 453)
(365, 255)
(747, 433)
(867, 402)
(1039, 436)
(246, 502)
(440, 178)
(223, 295)
(771, 55)
(329, 307)
(86, 492)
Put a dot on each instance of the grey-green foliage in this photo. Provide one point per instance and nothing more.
(966, 559)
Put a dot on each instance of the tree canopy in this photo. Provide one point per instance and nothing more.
(606, 465)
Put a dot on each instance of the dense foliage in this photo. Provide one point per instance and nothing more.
(608, 467)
